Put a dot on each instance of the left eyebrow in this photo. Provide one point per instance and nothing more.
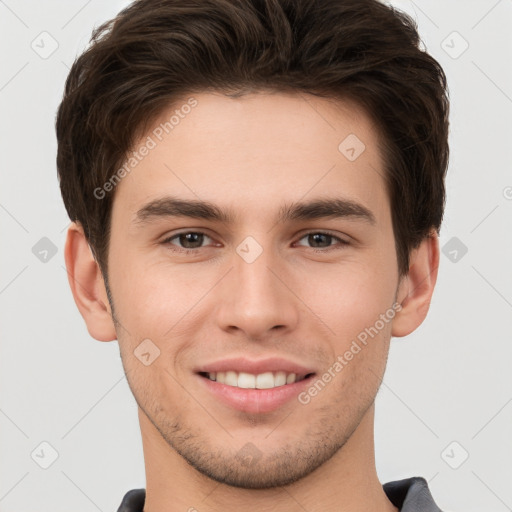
(326, 208)
(298, 211)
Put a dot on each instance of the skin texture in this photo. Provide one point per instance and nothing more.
(297, 300)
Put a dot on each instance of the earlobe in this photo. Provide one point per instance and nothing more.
(87, 285)
(417, 286)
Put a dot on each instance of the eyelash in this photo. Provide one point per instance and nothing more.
(342, 243)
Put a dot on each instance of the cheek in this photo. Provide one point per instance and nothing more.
(351, 297)
(154, 298)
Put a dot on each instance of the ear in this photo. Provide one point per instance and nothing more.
(87, 285)
(416, 287)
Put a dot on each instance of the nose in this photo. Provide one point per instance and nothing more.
(258, 300)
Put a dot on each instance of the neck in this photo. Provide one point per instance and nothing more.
(346, 482)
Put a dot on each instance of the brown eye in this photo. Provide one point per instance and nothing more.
(188, 240)
(320, 240)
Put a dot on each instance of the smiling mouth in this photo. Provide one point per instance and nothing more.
(267, 380)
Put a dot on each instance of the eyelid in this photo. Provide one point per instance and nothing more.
(335, 234)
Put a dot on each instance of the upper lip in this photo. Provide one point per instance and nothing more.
(255, 366)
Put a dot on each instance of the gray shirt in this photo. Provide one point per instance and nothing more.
(409, 495)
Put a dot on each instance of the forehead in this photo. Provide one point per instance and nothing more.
(257, 149)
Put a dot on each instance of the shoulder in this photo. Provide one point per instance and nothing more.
(133, 501)
(411, 495)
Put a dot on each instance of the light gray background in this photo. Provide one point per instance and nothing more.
(449, 381)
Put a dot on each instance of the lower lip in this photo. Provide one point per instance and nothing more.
(256, 400)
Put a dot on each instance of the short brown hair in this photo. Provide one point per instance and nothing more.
(155, 51)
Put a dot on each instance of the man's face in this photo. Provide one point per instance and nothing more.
(255, 297)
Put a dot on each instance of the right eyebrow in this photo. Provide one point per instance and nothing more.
(173, 207)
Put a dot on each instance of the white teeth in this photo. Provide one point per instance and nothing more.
(231, 379)
(290, 379)
(280, 379)
(246, 380)
(267, 380)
